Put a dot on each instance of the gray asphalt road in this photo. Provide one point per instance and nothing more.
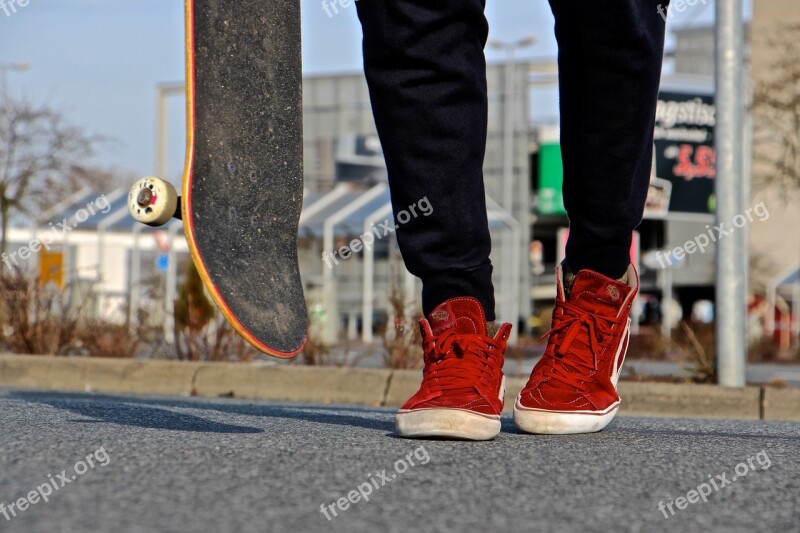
(164, 464)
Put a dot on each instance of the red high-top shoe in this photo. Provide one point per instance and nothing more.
(462, 389)
(573, 388)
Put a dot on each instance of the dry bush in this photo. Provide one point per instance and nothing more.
(216, 341)
(100, 339)
(697, 341)
(40, 319)
(315, 352)
(765, 349)
(652, 346)
(402, 343)
(44, 319)
(201, 332)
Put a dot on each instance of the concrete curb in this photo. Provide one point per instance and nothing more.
(781, 404)
(690, 400)
(292, 383)
(379, 387)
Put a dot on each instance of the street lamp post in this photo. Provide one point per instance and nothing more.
(730, 187)
(164, 91)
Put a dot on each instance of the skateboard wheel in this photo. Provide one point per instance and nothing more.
(152, 201)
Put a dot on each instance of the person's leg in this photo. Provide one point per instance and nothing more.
(426, 73)
(609, 63)
(427, 78)
(609, 69)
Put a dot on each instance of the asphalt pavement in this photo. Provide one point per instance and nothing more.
(147, 464)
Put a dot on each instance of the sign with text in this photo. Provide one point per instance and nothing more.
(684, 149)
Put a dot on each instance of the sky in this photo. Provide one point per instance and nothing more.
(99, 61)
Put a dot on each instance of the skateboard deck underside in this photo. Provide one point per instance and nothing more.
(243, 187)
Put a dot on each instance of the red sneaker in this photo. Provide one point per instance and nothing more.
(573, 388)
(462, 389)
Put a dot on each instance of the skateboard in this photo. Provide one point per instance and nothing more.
(243, 178)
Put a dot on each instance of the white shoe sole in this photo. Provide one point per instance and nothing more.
(561, 422)
(447, 423)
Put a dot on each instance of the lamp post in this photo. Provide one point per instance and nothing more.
(730, 187)
(164, 91)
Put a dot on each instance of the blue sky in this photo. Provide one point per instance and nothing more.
(99, 61)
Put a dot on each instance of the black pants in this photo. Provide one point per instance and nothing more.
(426, 72)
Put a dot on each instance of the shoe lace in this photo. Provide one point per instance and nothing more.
(457, 361)
(576, 338)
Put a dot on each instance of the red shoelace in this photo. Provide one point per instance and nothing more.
(458, 361)
(575, 341)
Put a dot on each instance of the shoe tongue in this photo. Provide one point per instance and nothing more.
(598, 294)
(464, 315)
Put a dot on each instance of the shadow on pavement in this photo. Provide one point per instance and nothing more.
(145, 412)
(123, 413)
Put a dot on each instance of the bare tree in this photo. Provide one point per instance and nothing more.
(42, 160)
(776, 109)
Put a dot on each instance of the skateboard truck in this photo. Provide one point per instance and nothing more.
(153, 201)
